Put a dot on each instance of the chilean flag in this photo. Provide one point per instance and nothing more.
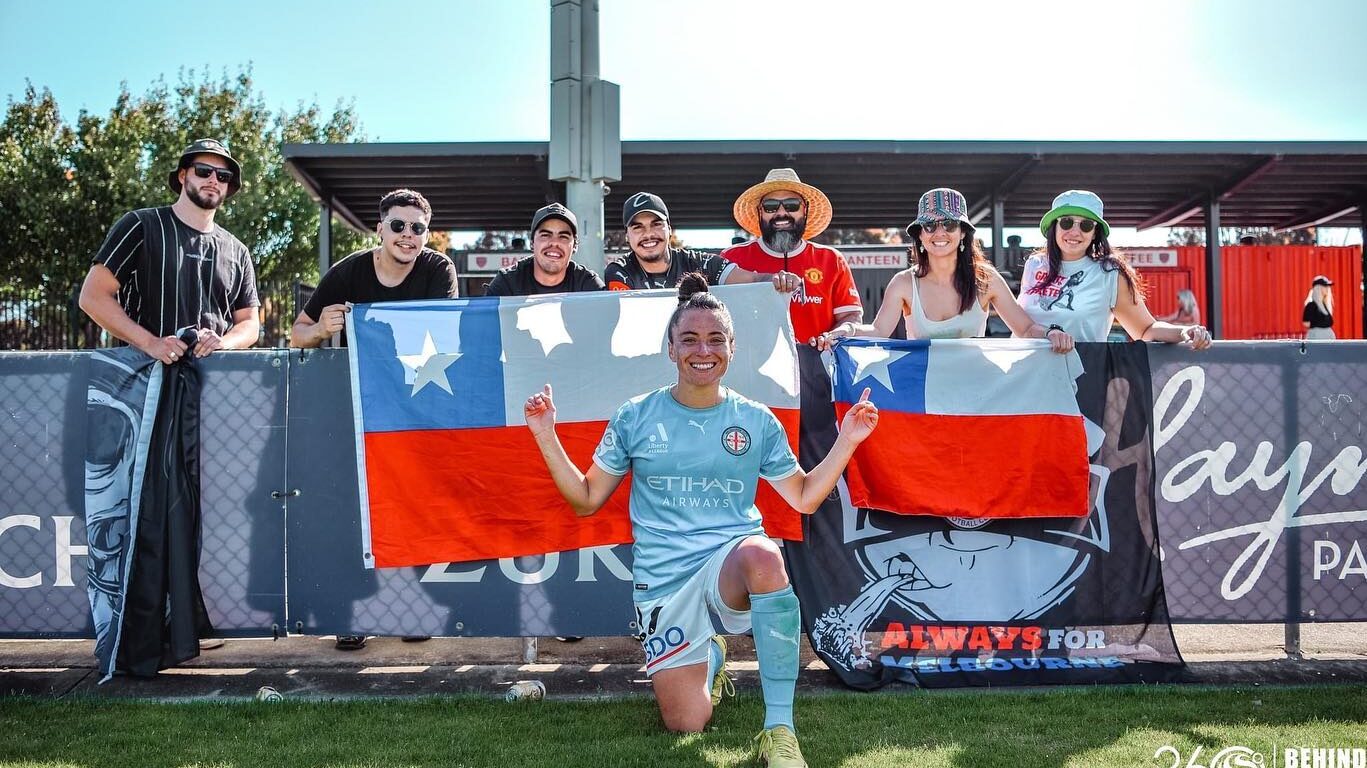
(967, 428)
(448, 469)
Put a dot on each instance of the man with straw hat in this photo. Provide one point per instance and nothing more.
(783, 212)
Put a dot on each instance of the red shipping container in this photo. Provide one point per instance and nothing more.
(1264, 287)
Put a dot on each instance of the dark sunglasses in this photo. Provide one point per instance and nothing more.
(1065, 223)
(789, 204)
(204, 171)
(397, 226)
(931, 227)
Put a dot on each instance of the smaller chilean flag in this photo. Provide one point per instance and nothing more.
(449, 471)
(967, 428)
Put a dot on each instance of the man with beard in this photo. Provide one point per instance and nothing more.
(653, 264)
(555, 238)
(162, 270)
(399, 269)
(783, 213)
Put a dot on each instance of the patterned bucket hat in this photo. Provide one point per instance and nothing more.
(940, 204)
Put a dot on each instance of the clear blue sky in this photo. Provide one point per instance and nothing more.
(468, 70)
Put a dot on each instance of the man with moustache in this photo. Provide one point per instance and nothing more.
(783, 213)
(555, 238)
(163, 270)
(400, 269)
(653, 264)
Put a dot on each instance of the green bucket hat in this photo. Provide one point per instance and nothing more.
(1075, 202)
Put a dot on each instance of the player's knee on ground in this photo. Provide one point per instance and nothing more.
(691, 720)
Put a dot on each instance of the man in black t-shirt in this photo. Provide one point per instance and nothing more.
(653, 264)
(555, 238)
(399, 269)
(162, 270)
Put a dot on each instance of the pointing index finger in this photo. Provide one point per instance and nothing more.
(864, 398)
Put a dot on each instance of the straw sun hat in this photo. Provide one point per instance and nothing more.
(746, 209)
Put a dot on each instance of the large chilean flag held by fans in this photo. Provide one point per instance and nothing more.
(967, 428)
(448, 469)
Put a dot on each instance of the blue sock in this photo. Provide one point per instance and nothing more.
(714, 662)
(777, 623)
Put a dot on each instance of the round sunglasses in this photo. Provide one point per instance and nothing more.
(1066, 223)
(397, 226)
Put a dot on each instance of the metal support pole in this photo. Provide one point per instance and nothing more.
(1214, 291)
(324, 238)
(529, 650)
(1291, 431)
(998, 236)
(585, 146)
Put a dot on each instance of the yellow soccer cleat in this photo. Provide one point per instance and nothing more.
(721, 684)
(777, 748)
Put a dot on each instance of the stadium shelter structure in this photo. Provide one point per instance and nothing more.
(1284, 185)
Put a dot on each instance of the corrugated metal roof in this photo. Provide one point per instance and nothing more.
(870, 183)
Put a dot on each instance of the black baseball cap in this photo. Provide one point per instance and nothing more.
(555, 211)
(642, 202)
(1321, 280)
(207, 147)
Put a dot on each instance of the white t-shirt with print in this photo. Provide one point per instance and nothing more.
(1081, 300)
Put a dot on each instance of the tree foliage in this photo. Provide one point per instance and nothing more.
(1250, 236)
(63, 185)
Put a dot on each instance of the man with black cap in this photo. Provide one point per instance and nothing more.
(653, 264)
(167, 269)
(555, 238)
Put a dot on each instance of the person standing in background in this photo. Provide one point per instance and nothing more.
(1318, 315)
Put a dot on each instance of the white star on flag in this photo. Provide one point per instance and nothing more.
(429, 366)
(873, 362)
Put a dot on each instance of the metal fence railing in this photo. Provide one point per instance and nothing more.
(49, 320)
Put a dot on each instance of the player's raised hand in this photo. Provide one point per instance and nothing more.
(539, 411)
(861, 418)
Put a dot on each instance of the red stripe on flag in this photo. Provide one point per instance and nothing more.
(780, 520)
(1032, 465)
(479, 494)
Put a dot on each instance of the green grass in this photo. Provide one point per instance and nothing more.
(1091, 728)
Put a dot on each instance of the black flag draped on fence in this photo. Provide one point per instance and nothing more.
(143, 512)
(940, 602)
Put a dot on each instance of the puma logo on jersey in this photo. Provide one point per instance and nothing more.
(701, 427)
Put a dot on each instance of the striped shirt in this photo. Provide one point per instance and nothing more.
(172, 276)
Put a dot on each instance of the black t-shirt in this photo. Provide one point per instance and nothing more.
(627, 274)
(1315, 317)
(353, 279)
(172, 276)
(518, 280)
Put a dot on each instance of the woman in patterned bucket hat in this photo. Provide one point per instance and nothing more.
(1080, 283)
(946, 291)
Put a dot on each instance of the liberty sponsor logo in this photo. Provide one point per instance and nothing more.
(658, 441)
(735, 440)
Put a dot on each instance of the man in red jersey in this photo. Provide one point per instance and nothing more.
(782, 212)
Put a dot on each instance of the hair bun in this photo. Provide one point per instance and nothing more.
(690, 284)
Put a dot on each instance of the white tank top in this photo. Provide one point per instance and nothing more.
(970, 324)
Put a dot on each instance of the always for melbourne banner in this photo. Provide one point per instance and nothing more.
(447, 468)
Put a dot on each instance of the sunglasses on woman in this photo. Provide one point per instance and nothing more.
(204, 171)
(397, 226)
(789, 204)
(1065, 223)
(931, 227)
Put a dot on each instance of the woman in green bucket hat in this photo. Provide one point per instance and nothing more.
(1079, 283)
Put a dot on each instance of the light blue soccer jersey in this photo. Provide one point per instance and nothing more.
(694, 476)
